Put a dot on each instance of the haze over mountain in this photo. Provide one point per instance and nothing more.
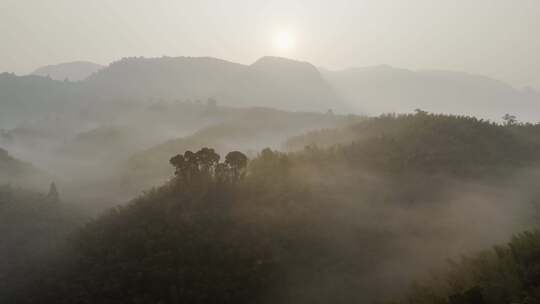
(28, 98)
(20, 173)
(270, 152)
(72, 71)
(131, 82)
(270, 82)
(384, 89)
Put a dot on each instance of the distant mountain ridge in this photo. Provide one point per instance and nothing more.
(270, 82)
(28, 98)
(383, 89)
(73, 71)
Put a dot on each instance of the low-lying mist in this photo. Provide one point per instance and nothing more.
(357, 210)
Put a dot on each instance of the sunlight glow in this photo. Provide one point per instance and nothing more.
(284, 41)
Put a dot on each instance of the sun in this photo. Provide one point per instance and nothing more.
(284, 41)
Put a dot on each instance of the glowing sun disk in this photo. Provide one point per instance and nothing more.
(284, 40)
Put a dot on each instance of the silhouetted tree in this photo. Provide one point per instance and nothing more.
(207, 159)
(179, 164)
(509, 120)
(237, 161)
(420, 112)
(53, 195)
(222, 173)
(192, 167)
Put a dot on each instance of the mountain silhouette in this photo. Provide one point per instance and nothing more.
(383, 89)
(73, 71)
(270, 82)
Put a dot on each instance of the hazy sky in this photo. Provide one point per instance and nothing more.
(499, 38)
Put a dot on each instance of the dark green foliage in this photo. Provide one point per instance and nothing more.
(505, 274)
(33, 232)
(341, 224)
(237, 162)
(470, 296)
(203, 166)
(430, 143)
(225, 129)
(201, 240)
(184, 242)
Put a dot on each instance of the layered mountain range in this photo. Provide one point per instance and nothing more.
(272, 82)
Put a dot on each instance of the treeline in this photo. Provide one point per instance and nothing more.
(433, 143)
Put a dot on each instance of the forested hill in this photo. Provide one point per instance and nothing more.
(34, 228)
(503, 274)
(432, 142)
(355, 222)
(19, 173)
(248, 130)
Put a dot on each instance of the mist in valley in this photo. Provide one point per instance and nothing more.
(279, 153)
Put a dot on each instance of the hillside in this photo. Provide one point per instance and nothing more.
(260, 84)
(71, 71)
(132, 83)
(431, 142)
(21, 174)
(34, 229)
(247, 130)
(384, 89)
(285, 227)
(28, 98)
(505, 274)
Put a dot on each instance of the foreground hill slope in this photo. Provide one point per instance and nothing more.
(504, 274)
(370, 215)
(34, 229)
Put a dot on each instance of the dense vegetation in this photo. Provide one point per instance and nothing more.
(248, 130)
(354, 219)
(34, 228)
(430, 143)
(504, 274)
